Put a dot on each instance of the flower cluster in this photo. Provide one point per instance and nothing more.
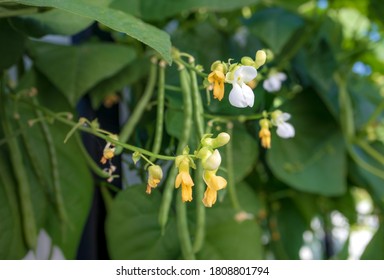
(278, 119)
(210, 158)
(240, 75)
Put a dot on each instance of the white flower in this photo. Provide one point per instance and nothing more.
(284, 129)
(274, 81)
(44, 250)
(241, 94)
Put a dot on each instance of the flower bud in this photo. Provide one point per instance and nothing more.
(212, 162)
(155, 174)
(221, 140)
(247, 61)
(260, 59)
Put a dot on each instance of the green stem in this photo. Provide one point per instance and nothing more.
(371, 151)
(160, 111)
(27, 210)
(190, 67)
(90, 130)
(91, 163)
(378, 110)
(139, 108)
(230, 172)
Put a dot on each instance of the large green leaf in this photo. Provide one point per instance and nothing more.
(245, 151)
(375, 248)
(315, 159)
(228, 239)
(157, 10)
(51, 22)
(12, 45)
(287, 226)
(64, 161)
(133, 230)
(115, 19)
(76, 69)
(371, 181)
(11, 233)
(275, 27)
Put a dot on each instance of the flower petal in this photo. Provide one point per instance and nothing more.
(248, 95)
(236, 97)
(285, 130)
(272, 84)
(245, 74)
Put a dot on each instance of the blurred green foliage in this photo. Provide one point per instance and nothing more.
(336, 108)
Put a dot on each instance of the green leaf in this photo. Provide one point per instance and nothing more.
(117, 20)
(287, 226)
(12, 45)
(174, 126)
(370, 181)
(51, 22)
(245, 152)
(74, 179)
(11, 235)
(375, 248)
(75, 70)
(227, 239)
(128, 75)
(133, 231)
(275, 27)
(315, 159)
(158, 10)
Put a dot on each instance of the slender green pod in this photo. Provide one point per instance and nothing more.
(200, 209)
(28, 216)
(182, 228)
(197, 105)
(160, 111)
(181, 211)
(139, 108)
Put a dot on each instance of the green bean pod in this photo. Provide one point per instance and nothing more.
(160, 112)
(139, 108)
(27, 211)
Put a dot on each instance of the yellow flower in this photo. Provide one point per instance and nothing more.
(154, 177)
(217, 78)
(184, 178)
(265, 134)
(108, 153)
(214, 184)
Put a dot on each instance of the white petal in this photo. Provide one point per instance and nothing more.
(43, 245)
(30, 255)
(245, 74)
(57, 254)
(272, 84)
(248, 95)
(213, 162)
(281, 76)
(285, 130)
(285, 116)
(236, 97)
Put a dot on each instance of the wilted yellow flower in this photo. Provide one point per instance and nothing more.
(265, 134)
(155, 174)
(184, 178)
(214, 184)
(108, 152)
(217, 78)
